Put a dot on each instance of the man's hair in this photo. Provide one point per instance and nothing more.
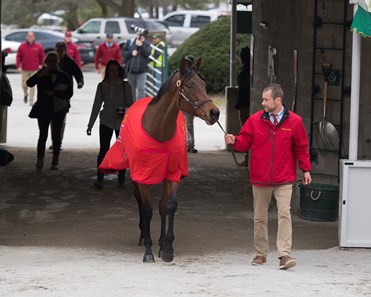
(276, 90)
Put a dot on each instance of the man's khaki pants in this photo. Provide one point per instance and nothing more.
(26, 74)
(102, 70)
(262, 198)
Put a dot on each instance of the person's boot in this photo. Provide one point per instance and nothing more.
(55, 162)
(99, 184)
(40, 163)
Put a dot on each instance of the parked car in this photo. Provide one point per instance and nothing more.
(157, 26)
(183, 23)
(123, 29)
(48, 39)
(10, 47)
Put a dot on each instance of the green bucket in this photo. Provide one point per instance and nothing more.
(319, 202)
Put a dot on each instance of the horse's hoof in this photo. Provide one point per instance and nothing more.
(141, 240)
(148, 259)
(167, 257)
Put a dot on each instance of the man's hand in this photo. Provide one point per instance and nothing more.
(229, 138)
(139, 41)
(88, 132)
(80, 85)
(134, 53)
(307, 179)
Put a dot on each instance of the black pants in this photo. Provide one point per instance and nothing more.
(56, 128)
(105, 136)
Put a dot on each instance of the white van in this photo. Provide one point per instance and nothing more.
(95, 29)
(183, 23)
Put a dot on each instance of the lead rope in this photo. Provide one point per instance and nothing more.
(230, 147)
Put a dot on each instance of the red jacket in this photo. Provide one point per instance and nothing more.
(274, 150)
(104, 54)
(30, 56)
(74, 53)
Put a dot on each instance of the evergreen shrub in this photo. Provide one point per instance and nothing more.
(212, 44)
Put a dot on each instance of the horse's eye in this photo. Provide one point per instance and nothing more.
(189, 85)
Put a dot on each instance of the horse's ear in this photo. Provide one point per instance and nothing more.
(197, 64)
(184, 64)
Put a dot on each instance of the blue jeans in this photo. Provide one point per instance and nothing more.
(137, 82)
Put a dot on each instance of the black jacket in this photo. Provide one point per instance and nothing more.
(139, 63)
(243, 95)
(62, 88)
(68, 65)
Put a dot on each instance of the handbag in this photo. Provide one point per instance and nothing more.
(35, 111)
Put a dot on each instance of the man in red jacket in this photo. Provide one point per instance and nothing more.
(72, 49)
(278, 142)
(30, 57)
(108, 50)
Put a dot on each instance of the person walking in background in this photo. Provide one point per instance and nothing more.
(72, 50)
(278, 140)
(157, 53)
(136, 55)
(116, 96)
(108, 50)
(30, 58)
(68, 65)
(243, 93)
(54, 90)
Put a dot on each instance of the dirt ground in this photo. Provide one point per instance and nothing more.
(62, 237)
(214, 205)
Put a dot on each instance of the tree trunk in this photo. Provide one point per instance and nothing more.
(72, 18)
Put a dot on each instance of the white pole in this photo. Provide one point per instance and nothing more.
(232, 63)
(354, 97)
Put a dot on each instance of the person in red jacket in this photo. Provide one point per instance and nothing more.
(30, 58)
(108, 50)
(72, 49)
(278, 142)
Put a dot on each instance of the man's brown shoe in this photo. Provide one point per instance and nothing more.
(258, 260)
(287, 262)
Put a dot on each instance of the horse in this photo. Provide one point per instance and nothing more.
(163, 126)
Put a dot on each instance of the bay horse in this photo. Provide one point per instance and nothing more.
(162, 155)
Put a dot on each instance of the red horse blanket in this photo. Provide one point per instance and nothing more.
(150, 162)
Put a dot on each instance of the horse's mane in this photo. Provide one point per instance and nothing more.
(188, 74)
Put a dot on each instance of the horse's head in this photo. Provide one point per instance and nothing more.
(192, 89)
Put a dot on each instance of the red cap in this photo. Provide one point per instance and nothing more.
(68, 34)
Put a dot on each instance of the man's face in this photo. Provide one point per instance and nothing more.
(30, 37)
(269, 104)
(109, 40)
(67, 39)
(156, 40)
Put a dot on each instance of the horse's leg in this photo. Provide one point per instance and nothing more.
(146, 213)
(163, 214)
(171, 205)
(140, 205)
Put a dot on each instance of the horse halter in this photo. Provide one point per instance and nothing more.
(195, 104)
